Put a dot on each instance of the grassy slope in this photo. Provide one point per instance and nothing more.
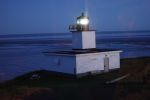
(54, 87)
(137, 86)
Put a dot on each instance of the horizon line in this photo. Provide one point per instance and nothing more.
(134, 31)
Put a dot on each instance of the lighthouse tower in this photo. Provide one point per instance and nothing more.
(84, 58)
(82, 36)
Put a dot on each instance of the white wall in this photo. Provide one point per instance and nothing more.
(83, 63)
(83, 40)
(89, 62)
(114, 60)
(89, 39)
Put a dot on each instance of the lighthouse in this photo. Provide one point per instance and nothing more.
(82, 36)
(84, 58)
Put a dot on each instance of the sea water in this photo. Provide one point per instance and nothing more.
(20, 54)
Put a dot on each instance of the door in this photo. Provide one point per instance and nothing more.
(106, 64)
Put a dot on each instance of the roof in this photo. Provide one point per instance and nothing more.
(75, 52)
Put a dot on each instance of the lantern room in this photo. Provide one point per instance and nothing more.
(82, 24)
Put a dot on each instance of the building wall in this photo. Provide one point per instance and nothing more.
(64, 64)
(114, 60)
(83, 63)
(88, 39)
(89, 62)
(77, 40)
(83, 40)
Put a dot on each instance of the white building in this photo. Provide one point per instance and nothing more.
(83, 61)
(84, 58)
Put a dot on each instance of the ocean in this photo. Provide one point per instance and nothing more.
(23, 53)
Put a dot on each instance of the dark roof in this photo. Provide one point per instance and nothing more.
(81, 51)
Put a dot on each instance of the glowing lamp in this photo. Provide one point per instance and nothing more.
(81, 25)
(83, 21)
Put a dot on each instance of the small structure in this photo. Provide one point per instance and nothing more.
(84, 58)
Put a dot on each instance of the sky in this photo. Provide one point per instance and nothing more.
(54, 16)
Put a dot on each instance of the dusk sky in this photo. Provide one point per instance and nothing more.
(54, 16)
